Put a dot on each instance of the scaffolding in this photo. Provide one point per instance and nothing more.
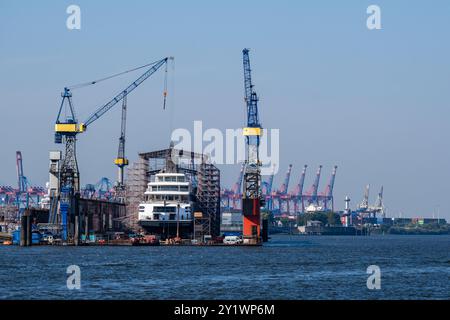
(204, 178)
(208, 200)
(136, 184)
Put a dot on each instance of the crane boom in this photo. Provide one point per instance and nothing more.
(22, 187)
(123, 124)
(270, 181)
(268, 195)
(315, 186)
(364, 205)
(379, 203)
(285, 186)
(102, 110)
(251, 97)
(301, 183)
(237, 186)
(330, 186)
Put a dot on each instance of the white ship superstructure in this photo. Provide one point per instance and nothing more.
(167, 205)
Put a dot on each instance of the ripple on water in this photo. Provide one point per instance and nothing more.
(287, 267)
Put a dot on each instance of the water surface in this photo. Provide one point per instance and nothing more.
(289, 267)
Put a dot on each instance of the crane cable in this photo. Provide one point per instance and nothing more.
(165, 87)
(85, 84)
(171, 84)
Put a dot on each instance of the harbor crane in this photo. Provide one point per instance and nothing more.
(312, 194)
(298, 193)
(251, 196)
(68, 128)
(121, 161)
(283, 196)
(268, 190)
(66, 131)
(327, 195)
(236, 191)
(315, 186)
(364, 205)
(285, 186)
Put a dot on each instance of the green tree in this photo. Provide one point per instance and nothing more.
(333, 219)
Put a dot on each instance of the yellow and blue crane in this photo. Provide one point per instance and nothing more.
(66, 130)
(252, 199)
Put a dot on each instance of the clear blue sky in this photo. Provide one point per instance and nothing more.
(376, 103)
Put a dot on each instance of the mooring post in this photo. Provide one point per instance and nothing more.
(29, 230)
(86, 227)
(76, 235)
(76, 209)
(23, 231)
(265, 229)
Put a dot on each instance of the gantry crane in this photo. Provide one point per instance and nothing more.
(298, 194)
(268, 190)
(312, 194)
(327, 195)
(251, 196)
(22, 195)
(282, 194)
(285, 186)
(66, 130)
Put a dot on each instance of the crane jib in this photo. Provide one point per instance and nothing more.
(102, 110)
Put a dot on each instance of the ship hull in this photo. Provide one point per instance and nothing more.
(167, 229)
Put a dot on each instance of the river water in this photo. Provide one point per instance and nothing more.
(288, 267)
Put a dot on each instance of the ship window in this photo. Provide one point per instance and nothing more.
(155, 216)
(165, 209)
(184, 188)
(172, 216)
(167, 188)
(180, 179)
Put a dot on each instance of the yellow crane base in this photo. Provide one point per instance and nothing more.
(70, 128)
(252, 131)
(121, 162)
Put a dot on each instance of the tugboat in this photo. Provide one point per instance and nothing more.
(148, 240)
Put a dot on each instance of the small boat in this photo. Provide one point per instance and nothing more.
(147, 240)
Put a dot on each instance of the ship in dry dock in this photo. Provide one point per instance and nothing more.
(175, 194)
(167, 209)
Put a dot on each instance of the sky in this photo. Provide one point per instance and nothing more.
(373, 102)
